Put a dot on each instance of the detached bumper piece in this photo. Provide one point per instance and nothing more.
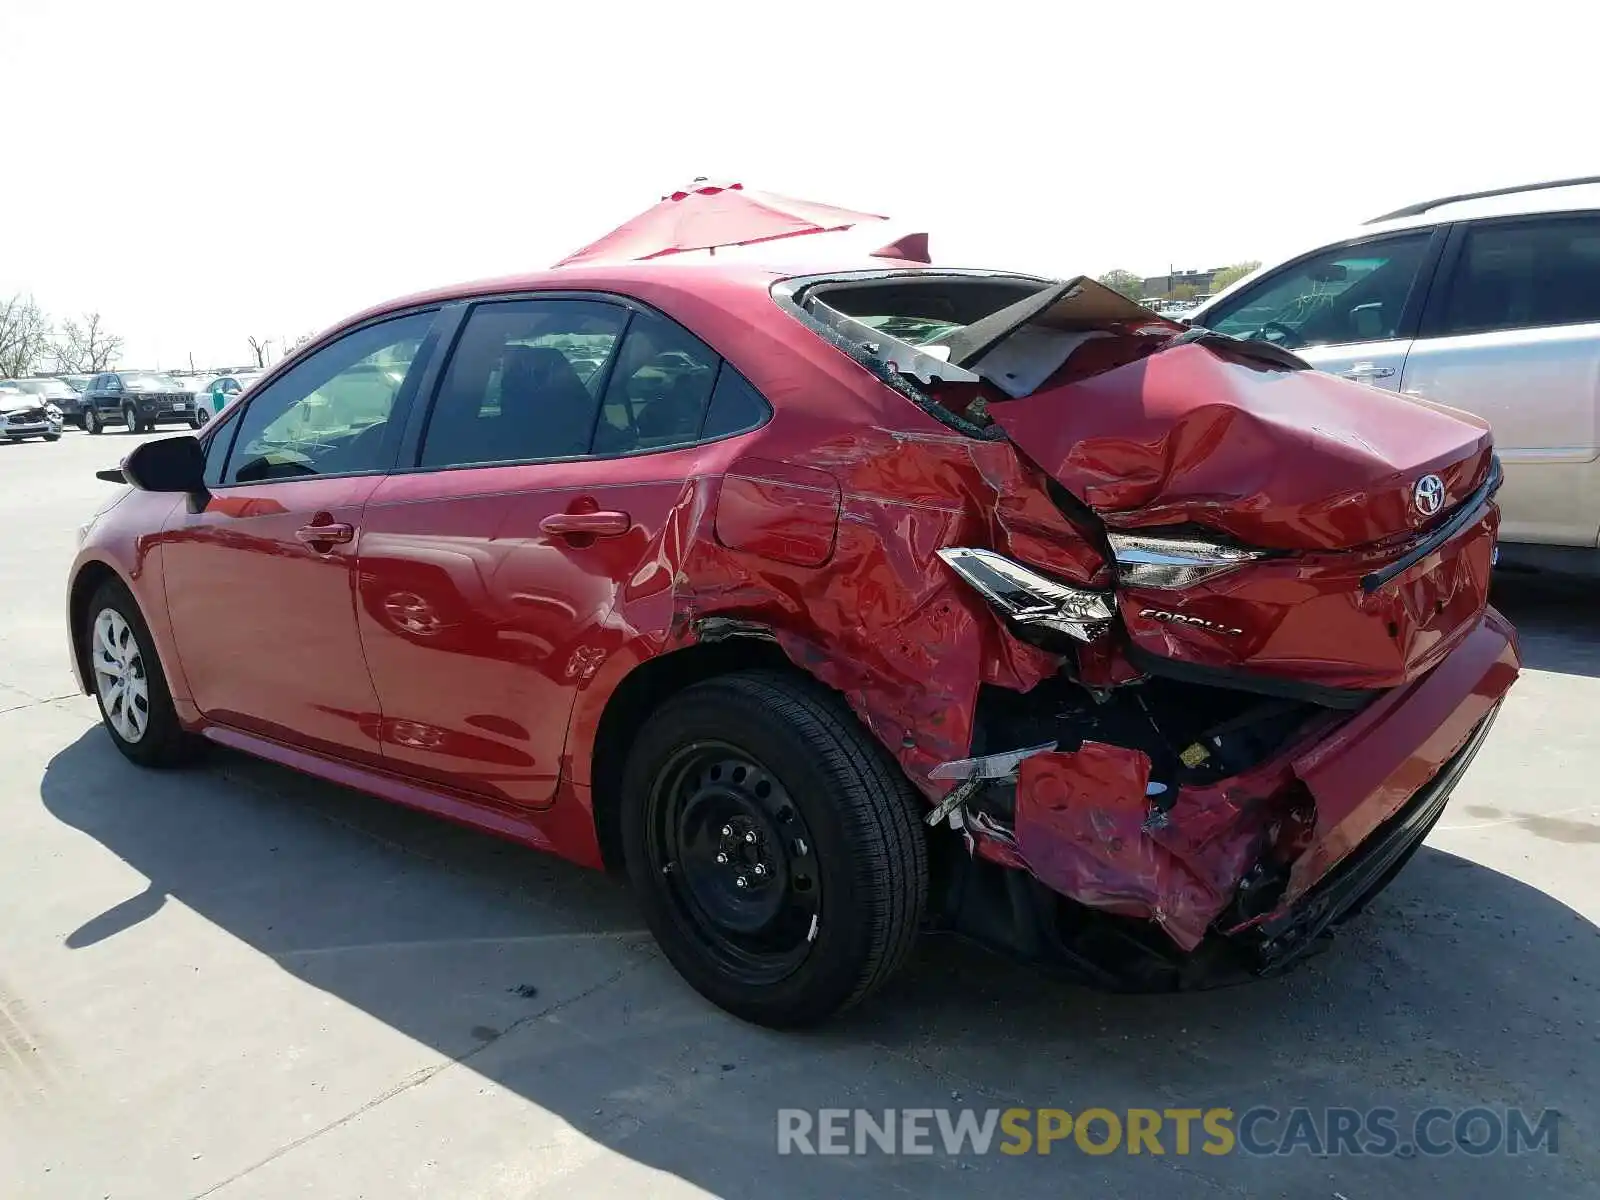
(1286, 937)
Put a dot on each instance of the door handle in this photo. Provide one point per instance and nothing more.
(592, 524)
(336, 531)
(1368, 371)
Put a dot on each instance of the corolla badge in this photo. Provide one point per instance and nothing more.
(1172, 618)
(1428, 495)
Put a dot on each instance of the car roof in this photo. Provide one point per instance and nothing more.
(627, 278)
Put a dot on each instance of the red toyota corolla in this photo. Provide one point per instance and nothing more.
(833, 606)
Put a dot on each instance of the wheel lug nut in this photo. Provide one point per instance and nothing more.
(727, 831)
(722, 858)
(742, 882)
(750, 837)
(761, 869)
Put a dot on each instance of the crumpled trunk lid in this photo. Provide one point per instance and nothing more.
(1372, 509)
(1279, 459)
(1153, 426)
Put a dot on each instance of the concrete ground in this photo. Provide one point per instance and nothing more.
(234, 981)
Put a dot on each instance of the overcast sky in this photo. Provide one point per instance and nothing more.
(202, 172)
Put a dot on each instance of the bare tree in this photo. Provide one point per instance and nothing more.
(85, 347)
(258, 347)
(290, 347)
(24, 336)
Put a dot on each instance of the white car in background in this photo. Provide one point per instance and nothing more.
(221, 389)
(1487, 302)
(25, 415)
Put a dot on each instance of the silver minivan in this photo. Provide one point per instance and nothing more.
(1488, 302)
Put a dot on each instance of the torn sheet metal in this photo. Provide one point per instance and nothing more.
(1276, 458)
(988, 766)
(1081, 829)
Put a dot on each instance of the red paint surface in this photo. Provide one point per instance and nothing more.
(1288, 460)
(1307, 618)
(709, 215)
(779, 511)
(1363, 774)
(459, 656)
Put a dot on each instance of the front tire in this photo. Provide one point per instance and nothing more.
(130, 420)
(93, 422)
(52, 437)
(774, 847)
(129, 685)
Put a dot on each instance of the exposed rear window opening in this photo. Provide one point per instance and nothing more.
(955, 342)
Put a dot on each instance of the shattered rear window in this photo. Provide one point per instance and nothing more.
(914, 331)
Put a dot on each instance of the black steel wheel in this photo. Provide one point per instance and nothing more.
(737, 860)
(774, 846)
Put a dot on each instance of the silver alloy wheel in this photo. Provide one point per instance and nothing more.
(119, 676)
(130, 418)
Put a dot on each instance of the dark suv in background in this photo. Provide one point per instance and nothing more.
(138, 401)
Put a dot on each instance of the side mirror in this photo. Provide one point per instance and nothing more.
(175, 464)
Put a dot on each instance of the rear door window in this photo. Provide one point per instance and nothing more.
(1524, 274)
(1345, 294)
(547, 379)
(524, 383)
(659, 389)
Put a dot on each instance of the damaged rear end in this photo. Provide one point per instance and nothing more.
(1263, 595)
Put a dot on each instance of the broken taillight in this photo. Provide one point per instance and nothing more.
(1160, 562)
(1028, 599)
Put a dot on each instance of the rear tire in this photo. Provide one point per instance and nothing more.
(769, 779)
(129, 685)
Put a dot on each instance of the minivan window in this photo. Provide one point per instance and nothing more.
(523, 383)
(328, 413)
(1524, 275)
(1340, 295)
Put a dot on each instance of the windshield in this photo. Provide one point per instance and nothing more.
(145, 382)
(1342, 295)
(53, 388)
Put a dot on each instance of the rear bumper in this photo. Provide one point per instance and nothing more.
(1292, 932)
(31, 429)
(1269, 859)
(1371, 767)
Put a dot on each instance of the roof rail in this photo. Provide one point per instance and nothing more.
(1415, 210)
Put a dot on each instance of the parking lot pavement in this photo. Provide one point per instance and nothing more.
(233, 981)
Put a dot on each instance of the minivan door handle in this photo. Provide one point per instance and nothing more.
(591, 524)
(1366, 370)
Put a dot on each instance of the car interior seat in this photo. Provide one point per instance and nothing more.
(545, 411)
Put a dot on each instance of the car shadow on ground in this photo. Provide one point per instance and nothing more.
(1557, 620)
(1460, 986)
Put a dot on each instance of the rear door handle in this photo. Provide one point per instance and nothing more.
(594, 524)
(1368, 371)
(336, 531)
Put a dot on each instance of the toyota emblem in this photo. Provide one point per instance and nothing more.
(1429, 495)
